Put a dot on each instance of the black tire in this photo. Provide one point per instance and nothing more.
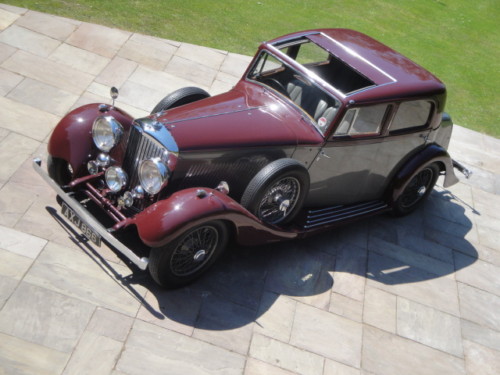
(188, 256)
(416, 191)
(180, 97)
(59, 170)
(276, 194)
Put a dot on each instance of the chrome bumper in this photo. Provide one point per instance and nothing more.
(142, 263)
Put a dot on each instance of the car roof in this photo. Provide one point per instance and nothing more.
(394, 75)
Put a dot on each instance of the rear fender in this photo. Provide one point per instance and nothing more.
(71, 139)
(432, 153)
(164, 221)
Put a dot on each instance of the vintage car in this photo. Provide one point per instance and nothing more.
(325, 127)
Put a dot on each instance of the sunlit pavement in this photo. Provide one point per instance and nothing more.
(417, 295)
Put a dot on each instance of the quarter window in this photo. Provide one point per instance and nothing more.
(413, 114)
(362, 121)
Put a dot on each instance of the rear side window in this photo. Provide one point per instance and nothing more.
(413, 114)
(362, 121)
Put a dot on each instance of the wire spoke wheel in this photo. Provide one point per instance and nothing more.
(194, 250)
(417, 188)
(279, 200)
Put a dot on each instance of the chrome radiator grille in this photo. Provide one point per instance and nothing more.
(140, 146)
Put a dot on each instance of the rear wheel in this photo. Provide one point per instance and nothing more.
(188, 256)
(417, 190)
(180, 97)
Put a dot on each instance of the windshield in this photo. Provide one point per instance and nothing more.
(302, 91)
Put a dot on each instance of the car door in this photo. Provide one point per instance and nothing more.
(356, 162)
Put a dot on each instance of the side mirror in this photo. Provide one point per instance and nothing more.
(114, 94)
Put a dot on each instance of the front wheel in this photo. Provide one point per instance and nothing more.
(417, 190)
(188, 256)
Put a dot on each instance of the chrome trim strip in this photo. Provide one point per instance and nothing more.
(142, 263)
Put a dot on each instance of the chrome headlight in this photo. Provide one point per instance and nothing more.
(153, 174)
(116, 178)
(106, 132)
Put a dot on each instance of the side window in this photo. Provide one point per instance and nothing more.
(362, 121)
(412, 114)
(267, 64)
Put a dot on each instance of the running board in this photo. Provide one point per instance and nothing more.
(318, 217)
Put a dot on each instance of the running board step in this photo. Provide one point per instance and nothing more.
(318, 217)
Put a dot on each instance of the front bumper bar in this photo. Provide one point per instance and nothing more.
(142, 263)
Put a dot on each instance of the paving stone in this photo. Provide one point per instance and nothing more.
(94, 355)
(13, 265)
(43, 317)
(480, 359)
(6, 51)
(159, 81)
(479, 306)
(13, 9)
(14, 149)
(3, 133)
(7, 287)
(29, 41)
(98, 39)
(20, 243)
(192, 71)
(235, 64)
(413, 283)
(75, 274)
(327, 334)
(411, 258)
(116, 72)
(151, 349)
(379, 309)
(429, 327)
(225, 324)
(219, 87)
(350, 269)
(226, 78)
(478, 273)
(255, 367)
(55, 27)
(285, 356)
(19, 117)
(176, 310)
(387, 354)
(140, 96)
(80, 59)
(8, 81)
(42, 96)
(481, 335)
(302, 274)
(21, 357)
(50, 72)
(346, 307)
(149, 51)
(336, 368)
(488, 229)
(7, 18)
(275, 316)
(206, 56)
(110, 324)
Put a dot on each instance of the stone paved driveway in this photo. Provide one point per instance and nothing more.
(418, 295)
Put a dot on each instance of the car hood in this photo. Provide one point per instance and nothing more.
(246, 116)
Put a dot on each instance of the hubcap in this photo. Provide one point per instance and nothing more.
(417, 188)
(279, 200)
(194, 250)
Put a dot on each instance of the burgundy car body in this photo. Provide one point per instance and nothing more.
(232, 136)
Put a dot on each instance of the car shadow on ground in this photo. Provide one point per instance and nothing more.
(246, 282)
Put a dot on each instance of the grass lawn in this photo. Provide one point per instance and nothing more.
(457, 40)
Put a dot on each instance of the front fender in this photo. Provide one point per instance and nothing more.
(71, 139)
(163, 221)
(432, 153)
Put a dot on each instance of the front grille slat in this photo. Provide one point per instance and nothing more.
(140, 146)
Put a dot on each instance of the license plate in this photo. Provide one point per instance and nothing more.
(86, 229)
